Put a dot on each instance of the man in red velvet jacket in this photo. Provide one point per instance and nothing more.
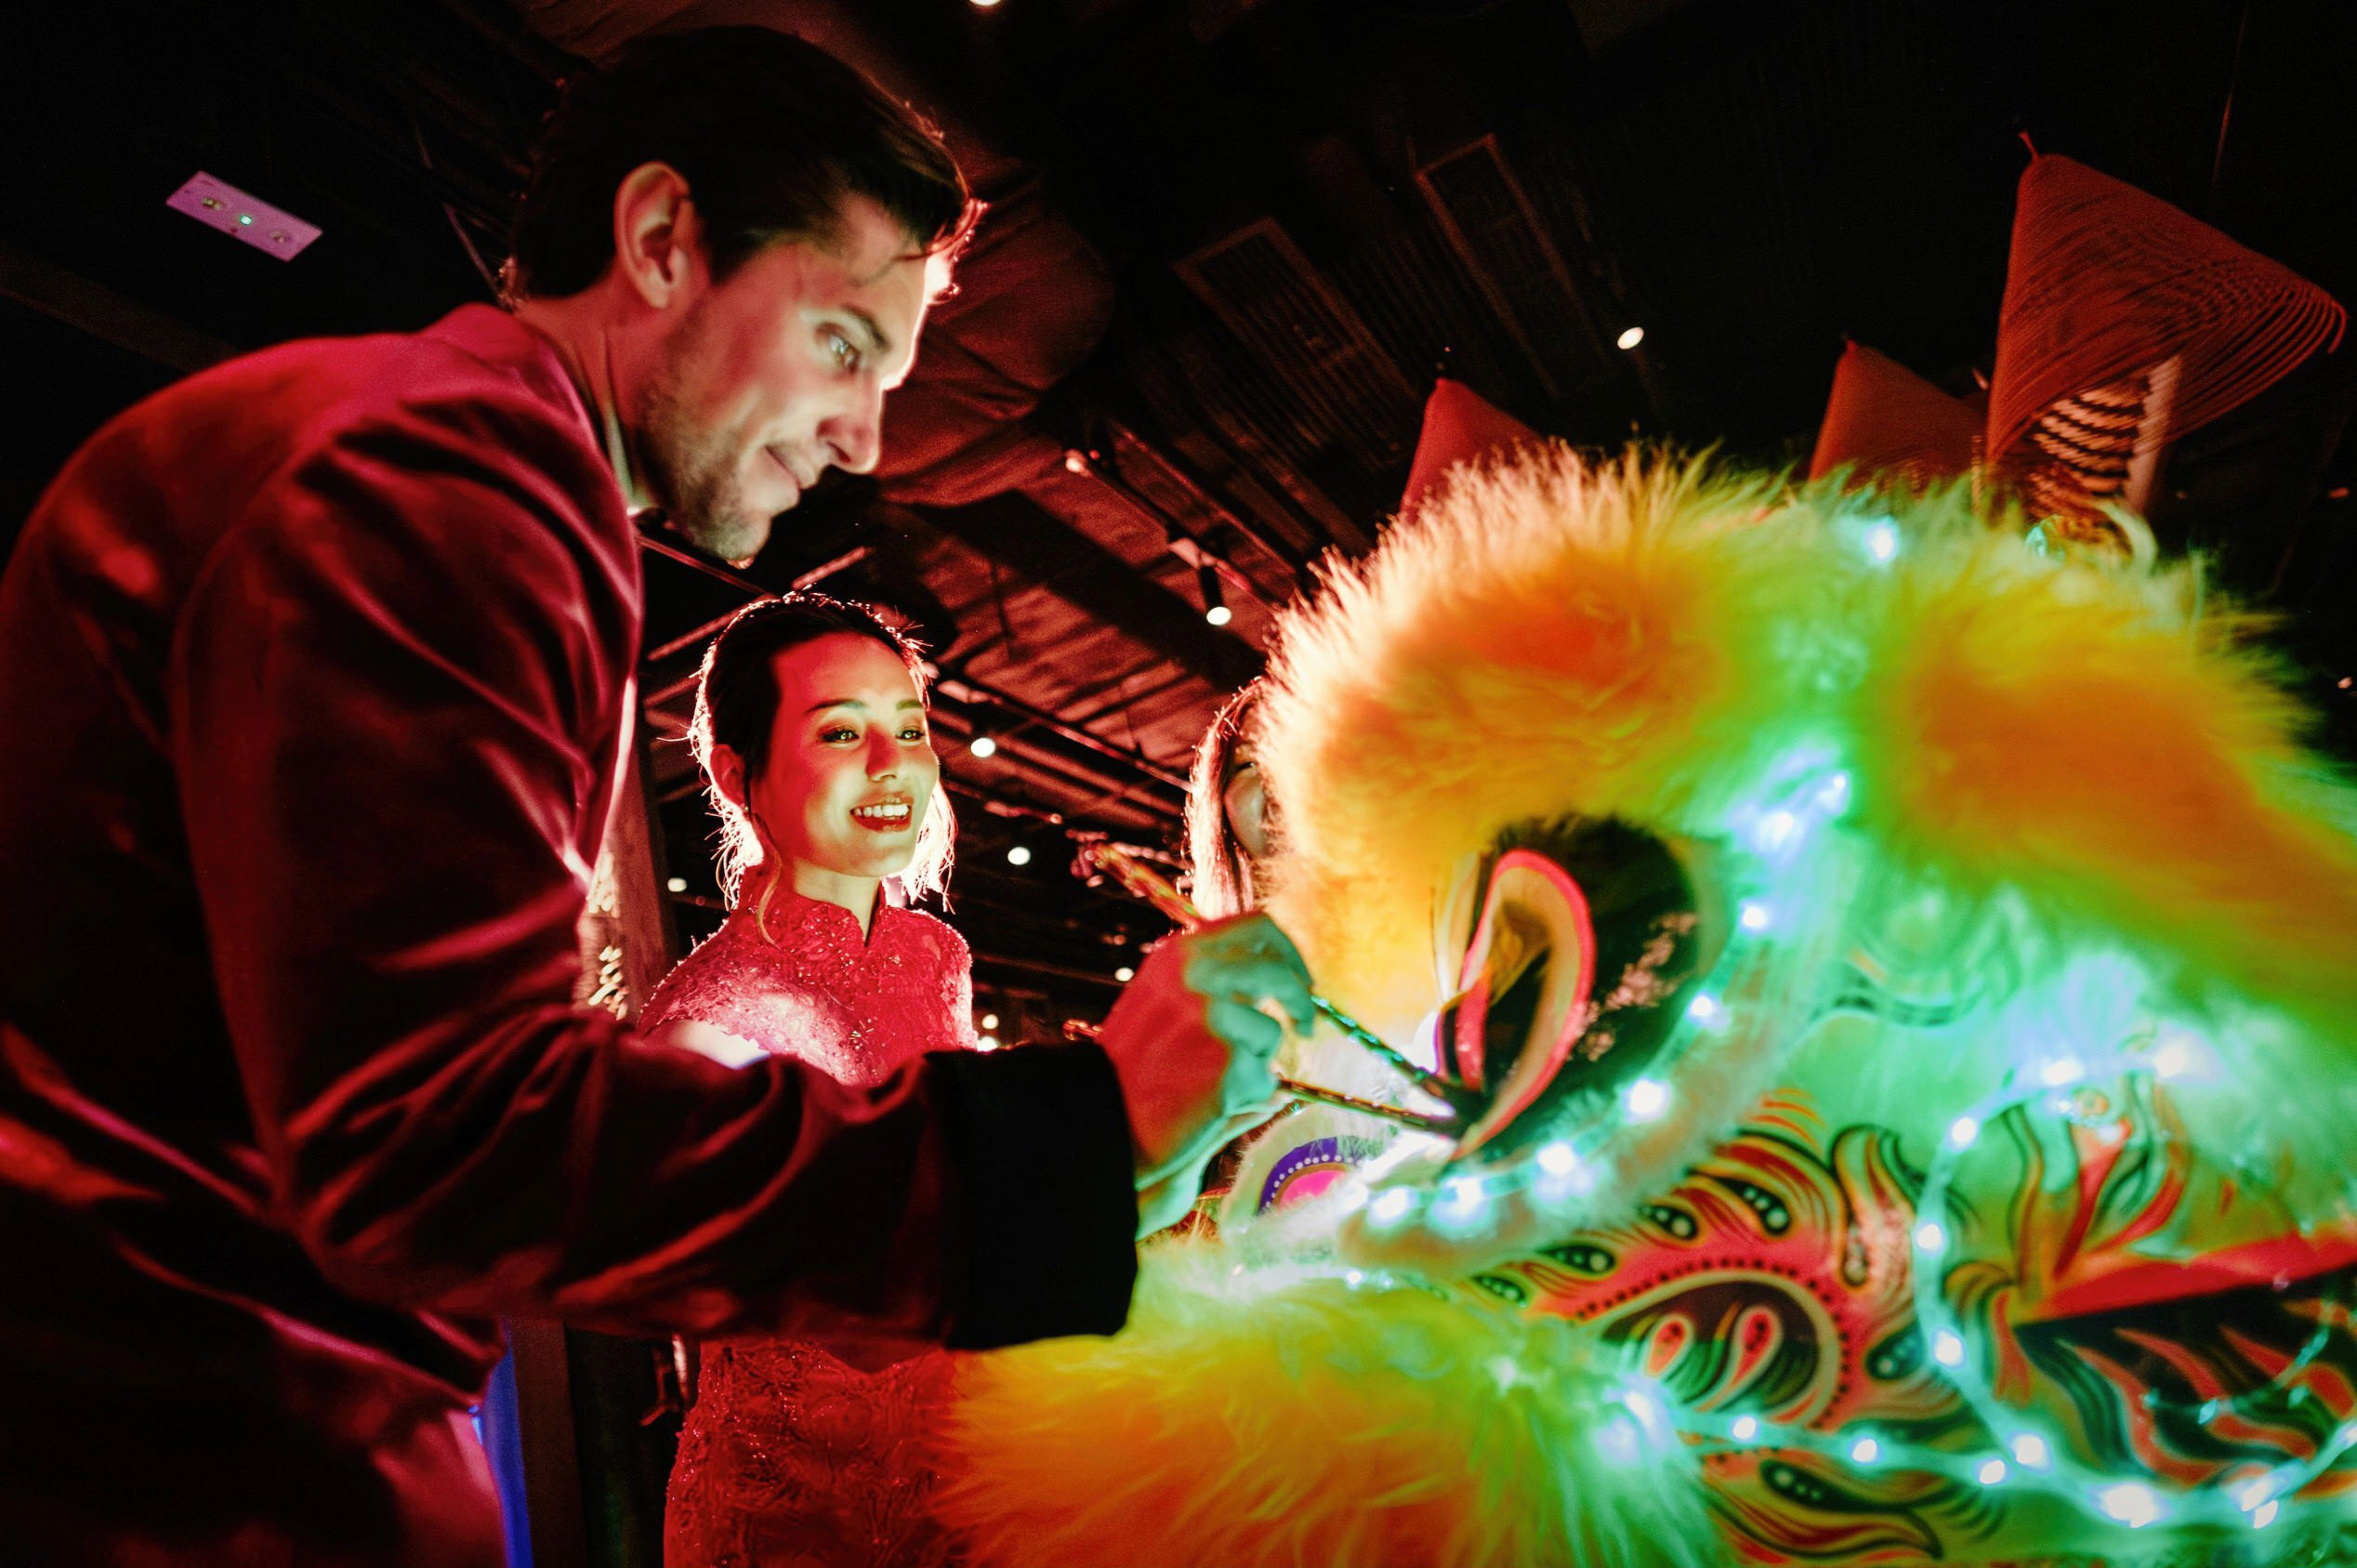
(312, 680)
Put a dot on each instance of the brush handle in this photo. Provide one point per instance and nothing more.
(1143, 882)
(1440, 1126)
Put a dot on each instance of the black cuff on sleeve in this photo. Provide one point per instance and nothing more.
(1040, 1137)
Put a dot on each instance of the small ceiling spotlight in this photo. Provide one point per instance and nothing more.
(989, 1021)
(1214, 606)
(1019, 854)
(985, 5)
(982, 746)
(1076, 460)
(1630, 337)
(1124, 974)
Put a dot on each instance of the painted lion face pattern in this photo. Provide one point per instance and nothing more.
(1778, 1282)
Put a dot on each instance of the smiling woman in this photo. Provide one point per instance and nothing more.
(811, 727)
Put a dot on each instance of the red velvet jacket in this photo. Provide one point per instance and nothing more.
(312, 673)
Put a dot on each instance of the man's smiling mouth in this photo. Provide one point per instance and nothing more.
(802, 480)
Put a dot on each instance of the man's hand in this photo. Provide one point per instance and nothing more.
(1193, 1049)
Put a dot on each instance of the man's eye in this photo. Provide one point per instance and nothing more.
(846, 353)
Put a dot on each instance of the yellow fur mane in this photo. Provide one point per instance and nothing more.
(1641, 640)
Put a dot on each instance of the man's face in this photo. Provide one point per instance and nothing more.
(778, 373)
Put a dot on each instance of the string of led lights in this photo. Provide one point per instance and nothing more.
(1804, 793)
(2019, 1457)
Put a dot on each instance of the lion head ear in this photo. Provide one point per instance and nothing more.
(1460, 428)
(2075, 734)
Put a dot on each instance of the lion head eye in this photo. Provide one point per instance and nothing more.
(1574, 970)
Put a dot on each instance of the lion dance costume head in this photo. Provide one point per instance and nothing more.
(1911, 980)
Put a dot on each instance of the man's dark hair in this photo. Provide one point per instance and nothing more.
(771, 133)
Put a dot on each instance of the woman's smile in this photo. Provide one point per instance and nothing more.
(892, 814)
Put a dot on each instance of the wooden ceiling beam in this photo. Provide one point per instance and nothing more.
(1035, 544)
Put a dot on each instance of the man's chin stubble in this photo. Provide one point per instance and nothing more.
(714, 518)
(737, 539)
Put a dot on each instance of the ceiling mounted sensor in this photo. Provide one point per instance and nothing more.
(220, 204)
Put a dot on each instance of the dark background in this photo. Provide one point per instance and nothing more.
(1231, 243)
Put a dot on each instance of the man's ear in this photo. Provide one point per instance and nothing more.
(728, 776)
(658, 241)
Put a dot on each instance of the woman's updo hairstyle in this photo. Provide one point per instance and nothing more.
(736, 706)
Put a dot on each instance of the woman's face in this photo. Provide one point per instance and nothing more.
(850, 770)
(1247, 808)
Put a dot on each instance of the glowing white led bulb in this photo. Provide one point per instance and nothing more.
(2176, 1056)
(1465, 1203)
(1947, 1348)
(1646, 1100)
(2131, 1502)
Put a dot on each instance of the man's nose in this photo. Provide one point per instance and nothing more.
(856, 436)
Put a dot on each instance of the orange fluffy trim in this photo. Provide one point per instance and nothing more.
(2074, 738)
(1246, 1420)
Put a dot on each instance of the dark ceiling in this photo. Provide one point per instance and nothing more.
(1232, 243)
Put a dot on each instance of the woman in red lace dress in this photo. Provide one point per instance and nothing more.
(810, 727)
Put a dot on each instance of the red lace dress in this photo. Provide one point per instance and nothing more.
(790, 1455)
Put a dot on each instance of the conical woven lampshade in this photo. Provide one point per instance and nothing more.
(1459, 427)
(1882, 417)
(2126, 323)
